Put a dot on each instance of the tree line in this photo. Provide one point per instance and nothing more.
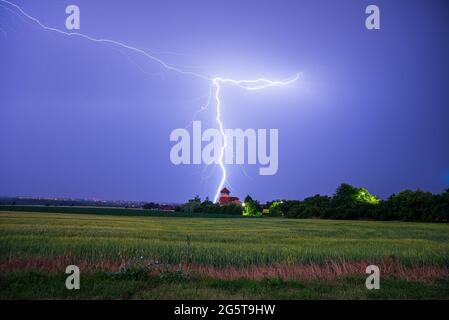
(348, 203)
(195, 205)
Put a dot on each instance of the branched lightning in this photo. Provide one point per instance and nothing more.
(215, 82)
(257, 84)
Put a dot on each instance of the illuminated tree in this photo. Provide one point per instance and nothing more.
(251, 207)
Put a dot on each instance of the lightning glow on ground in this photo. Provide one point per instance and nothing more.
(216, 82)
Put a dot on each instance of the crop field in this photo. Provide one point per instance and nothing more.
(184, 257)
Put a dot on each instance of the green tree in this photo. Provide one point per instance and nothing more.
(251, 207)
(193, 205)
(350, 202)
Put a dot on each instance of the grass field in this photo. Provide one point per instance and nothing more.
(184, 257)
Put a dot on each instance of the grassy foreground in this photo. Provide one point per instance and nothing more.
(32, 285)
(220, 241)
(102, 240)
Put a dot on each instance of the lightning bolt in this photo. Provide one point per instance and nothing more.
(257, 84)
(215, 82)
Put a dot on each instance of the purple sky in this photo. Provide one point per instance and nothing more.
(81, 119)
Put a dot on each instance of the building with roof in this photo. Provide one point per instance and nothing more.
(226, 199)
